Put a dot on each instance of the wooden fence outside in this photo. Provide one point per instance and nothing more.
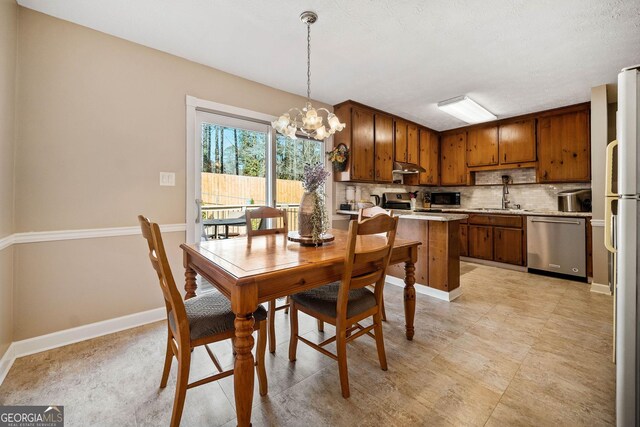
(222, 189)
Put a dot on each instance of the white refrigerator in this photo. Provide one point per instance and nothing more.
(627, 198)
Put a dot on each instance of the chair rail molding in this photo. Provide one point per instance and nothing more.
(88, 233)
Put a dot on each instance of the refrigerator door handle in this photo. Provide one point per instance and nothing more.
(608, 181)
(608, 218)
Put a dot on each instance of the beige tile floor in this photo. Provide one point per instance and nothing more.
(515, 349)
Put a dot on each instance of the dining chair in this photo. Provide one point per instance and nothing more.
(368, 213)
(202, 320)
(346, 303)
(279, 217)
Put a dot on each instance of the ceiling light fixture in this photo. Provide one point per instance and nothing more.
(308, 121)
(466, 109)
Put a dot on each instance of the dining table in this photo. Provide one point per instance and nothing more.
(250, 272)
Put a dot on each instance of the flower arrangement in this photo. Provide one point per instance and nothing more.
(338, 157)
(312, 216)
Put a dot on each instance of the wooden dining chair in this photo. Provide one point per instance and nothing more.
(365, 213)
(279, 216)
(346, 303)
(201, 320)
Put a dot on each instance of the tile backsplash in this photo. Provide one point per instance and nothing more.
(487, 193)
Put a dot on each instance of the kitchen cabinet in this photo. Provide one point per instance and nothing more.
(464, 239)
(453, 169)
(429, 157)
(383, 137)
(564, 148)
(500, 238)
(482, 146)
(507, 245)
(480, 242)
(517, 142)
(406, 142)
(362, 144)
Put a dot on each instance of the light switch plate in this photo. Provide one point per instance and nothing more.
(168, 179)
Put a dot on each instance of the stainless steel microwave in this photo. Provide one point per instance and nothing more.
(451, 198)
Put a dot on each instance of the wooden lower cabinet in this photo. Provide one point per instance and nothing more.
(480, 242)
(464, 240)
(507, 245)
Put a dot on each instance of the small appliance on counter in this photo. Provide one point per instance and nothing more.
(398, 201)
(575, 200)
(446, 199)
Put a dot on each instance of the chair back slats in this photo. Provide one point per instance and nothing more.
(279, 217)
(369, 265)
(173, 300)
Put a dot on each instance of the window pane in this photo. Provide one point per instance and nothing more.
(291, 156)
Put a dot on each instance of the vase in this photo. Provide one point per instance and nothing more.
(305, 213)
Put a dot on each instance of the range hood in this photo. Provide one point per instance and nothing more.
(407, 168)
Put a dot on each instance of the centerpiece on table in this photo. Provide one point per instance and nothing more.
(313, 221)
(338, 157)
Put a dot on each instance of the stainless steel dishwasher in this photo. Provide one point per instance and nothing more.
(557, 244)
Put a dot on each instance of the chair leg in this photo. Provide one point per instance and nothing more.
(184, 363)
(168, 358)
(293, 341)
(382, 356)
(271, 319)
(287, 301)
(384, 313)
(341, 343)
(320, 326)
(260, 352)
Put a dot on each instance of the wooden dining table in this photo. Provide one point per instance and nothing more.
(270, 267)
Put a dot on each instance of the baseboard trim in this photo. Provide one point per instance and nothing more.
(6, 362)
(77, 334)
(599, 288)
(426, 290)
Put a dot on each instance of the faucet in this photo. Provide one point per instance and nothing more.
(505, 190)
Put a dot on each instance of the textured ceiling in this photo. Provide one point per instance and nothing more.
(402, 56)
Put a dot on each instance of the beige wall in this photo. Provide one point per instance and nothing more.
(8, 38)
(98, 119)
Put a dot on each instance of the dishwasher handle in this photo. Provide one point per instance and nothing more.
(557, 221)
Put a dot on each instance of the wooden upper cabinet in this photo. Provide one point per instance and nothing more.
(452, 159)
(482, 146)
(400, 153)
(429, 157)
(362, 144)
(413, 146)
(517, 142)
(383, 147)
(564, 148)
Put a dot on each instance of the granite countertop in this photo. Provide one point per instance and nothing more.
(529, 212)
(424, 216)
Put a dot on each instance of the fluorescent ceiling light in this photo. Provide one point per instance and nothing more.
(466, 109)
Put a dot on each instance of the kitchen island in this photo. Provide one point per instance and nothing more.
(437, 269)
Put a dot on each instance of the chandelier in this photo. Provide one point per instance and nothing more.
(308, 121)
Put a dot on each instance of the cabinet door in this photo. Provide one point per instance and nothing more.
(482, 146)
(384, 147)
(480, 242)
(464, 240)
(507, 245)
(412, 144)
(362, 144)
(429, 157)
(563, 148)
(518, 142)
(452, 159)
(400, 141)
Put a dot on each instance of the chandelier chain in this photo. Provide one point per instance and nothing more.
(309, 61)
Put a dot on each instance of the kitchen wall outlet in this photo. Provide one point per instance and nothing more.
(168, 179)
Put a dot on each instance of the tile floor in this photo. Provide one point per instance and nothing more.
(515, 349)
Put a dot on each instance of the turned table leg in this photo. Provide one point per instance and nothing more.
(190, 284)
(409, 297)
(243, 377)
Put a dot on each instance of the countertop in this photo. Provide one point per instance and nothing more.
(529, 212)
(424, 216)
